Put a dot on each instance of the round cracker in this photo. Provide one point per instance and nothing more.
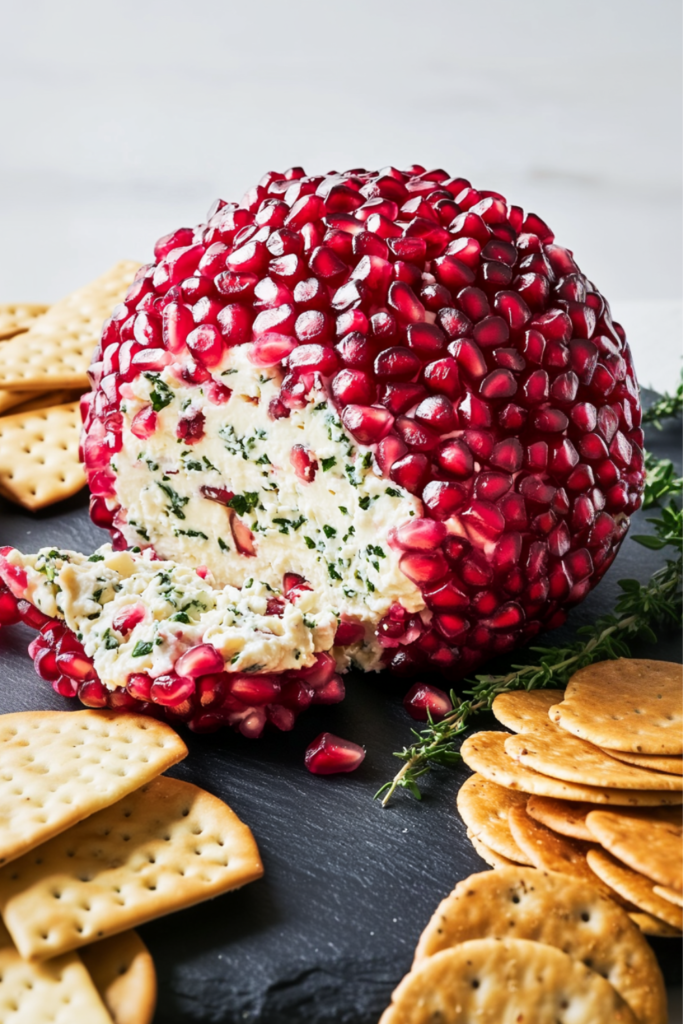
(504, 980)
(123, 972)
(650, 925)
(543, 906)
(631, 704)
(563, 816)
(489, 856)
(634, 887)
(655, 762)
(652, 848)
(549, 851)
(484, 807)
(526, 710)
(573, 760)
(484, 752)
(671, 895)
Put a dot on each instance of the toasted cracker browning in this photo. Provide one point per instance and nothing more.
(567, 913)
(58, 767)
(525, 711)
(654, 762)
(563, 816)
(631, 704)
(650, 846)
(57, 349)
(634, 887)
(122, 970)
(504, 980)
(484, 752)
(484, 807)
(489, 856)
(39, 455)
(574, 760)
(164, 847)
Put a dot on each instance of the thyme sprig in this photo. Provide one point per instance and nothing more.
(666, 406)
(639, 612)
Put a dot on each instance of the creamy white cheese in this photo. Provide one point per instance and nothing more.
(181, 610)
(331, 530)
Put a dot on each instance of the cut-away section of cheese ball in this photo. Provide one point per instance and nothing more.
(387, 382)
(124, 629)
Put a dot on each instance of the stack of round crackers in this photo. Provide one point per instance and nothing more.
(517, 944)
(590, 784)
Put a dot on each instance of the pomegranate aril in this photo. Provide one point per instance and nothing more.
(437, 412)
(424, 567)
(397, 363)
(443, 498)
(304, 464)
(423, 701)
(404, 302)
(420, 535)
(172, 690)
(411, 472)
(399, 398)
(198, 661)
(427, 340)
(329, 754)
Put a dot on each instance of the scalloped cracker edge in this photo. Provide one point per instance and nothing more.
(165, 847)
(58, 767)
(39, 456)
(56, 351)
(59, 991)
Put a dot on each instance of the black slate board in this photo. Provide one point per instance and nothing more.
(331, 928)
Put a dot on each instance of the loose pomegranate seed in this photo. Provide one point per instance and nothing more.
(422, 699)
(199, 661)
(411, 472)
(420, 535)
(329, 754)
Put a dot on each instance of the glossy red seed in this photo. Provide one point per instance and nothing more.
(397, 364)
(399, 398)
(455, 457)
(304, 464)
(427, 340)
(329, 754)
(411, 472)
(443, 498)
(368, 423)
(420, 535)
(423, 701)
(437, 412)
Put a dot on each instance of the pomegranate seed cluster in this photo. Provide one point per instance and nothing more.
(466, 365)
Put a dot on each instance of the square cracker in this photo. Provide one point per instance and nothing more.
(57, 767)
(16, 317)
(122, 970)
(59, 991)
(167, 846)
(56, 351)
(547, 907)
(11, 399)
(39, 455)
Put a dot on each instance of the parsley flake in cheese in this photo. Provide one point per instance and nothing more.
(328, 463)
(142, 648)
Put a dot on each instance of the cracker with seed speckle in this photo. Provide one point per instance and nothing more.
(164, 847)
(504, 980)
(484, 752)
(631, 704)
(484, 807)
(634, 887)
(646, 844)
(568, 913)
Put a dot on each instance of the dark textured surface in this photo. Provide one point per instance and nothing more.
(330, 930)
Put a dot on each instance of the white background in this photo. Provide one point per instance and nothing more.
(121, 121)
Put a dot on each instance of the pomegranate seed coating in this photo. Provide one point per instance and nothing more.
(456, 340)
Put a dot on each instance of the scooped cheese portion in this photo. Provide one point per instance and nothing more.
(181, 610)
(331, 530)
